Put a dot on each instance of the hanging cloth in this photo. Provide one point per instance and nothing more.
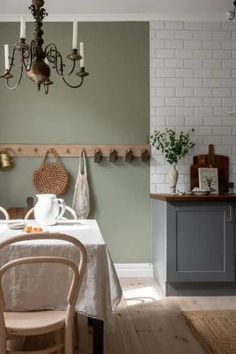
(81, 201)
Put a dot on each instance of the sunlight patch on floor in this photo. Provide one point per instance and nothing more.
(142, 295)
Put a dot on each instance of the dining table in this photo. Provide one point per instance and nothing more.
(100, 291)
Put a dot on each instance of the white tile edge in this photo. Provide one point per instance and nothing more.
(134, 270)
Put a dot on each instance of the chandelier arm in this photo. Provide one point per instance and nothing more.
(12, 59)
(73, 68)
(64, 66)
(46, 89)
(58, 64)
(18, 81)
(3, 75)
(30, 55)
(73, 86)
(48, 47)
(54, 57)
(24, 61)
(11, 63)
(50, 52)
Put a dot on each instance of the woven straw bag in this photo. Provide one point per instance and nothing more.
(51, 177)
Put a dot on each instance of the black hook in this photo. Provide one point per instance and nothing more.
(129, 156)
(113, 155)
(98, 156)
(145, 155)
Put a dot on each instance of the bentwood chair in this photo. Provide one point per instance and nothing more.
(34, 323)
(67, 209)
(5, 213)
(20, 212)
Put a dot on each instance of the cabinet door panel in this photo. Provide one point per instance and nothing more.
(201, 242)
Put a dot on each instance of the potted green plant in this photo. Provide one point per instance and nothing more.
(174, 147)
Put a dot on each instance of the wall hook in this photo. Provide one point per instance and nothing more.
(98, 156)
(145, 155)
(129, 156)
(113, 155)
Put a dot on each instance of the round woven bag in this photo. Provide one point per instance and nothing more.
(51, 177)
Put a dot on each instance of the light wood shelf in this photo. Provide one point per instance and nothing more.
(74, 150)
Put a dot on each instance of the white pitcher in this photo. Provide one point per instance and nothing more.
(48, 209)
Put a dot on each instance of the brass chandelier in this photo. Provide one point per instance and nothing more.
(36, 60)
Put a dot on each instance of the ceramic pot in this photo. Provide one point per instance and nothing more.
(173, 178)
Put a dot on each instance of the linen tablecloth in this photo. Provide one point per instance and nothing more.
(100, 291)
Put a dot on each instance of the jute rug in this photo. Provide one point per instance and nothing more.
(215, 330)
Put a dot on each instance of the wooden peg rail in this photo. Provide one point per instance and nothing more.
(74, 150)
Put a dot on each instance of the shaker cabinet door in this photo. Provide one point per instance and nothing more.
(200, 244)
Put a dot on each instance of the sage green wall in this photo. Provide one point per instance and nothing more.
(112, 107)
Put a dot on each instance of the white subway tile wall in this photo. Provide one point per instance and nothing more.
(193, 85)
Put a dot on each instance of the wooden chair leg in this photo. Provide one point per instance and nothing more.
(15, 343)
(69, 345)
(76, 333)
(58, 340)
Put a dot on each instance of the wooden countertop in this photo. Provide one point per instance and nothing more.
(192, 197)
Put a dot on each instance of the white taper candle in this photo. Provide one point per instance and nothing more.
(22, 27)
(75, 35)
(6, 54)
(81, 52)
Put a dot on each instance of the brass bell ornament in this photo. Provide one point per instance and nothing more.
(6, 160)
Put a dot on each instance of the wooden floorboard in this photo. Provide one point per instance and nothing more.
(146, 322)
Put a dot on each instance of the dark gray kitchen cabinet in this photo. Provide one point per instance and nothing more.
(193, 243)
(200, 243)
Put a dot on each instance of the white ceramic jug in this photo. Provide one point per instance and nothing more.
(48, 209)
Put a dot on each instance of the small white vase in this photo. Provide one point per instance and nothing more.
(173, 178)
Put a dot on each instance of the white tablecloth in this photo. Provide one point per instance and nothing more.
(100, 291)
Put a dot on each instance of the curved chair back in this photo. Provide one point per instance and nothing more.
(67, 208)
(71, 212)
(51, 236)
(20, 212)
(5, 213)
(72, 294)
(77, 270)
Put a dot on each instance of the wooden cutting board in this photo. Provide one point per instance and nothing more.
(211, 160)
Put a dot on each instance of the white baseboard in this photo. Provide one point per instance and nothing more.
(134, 270)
